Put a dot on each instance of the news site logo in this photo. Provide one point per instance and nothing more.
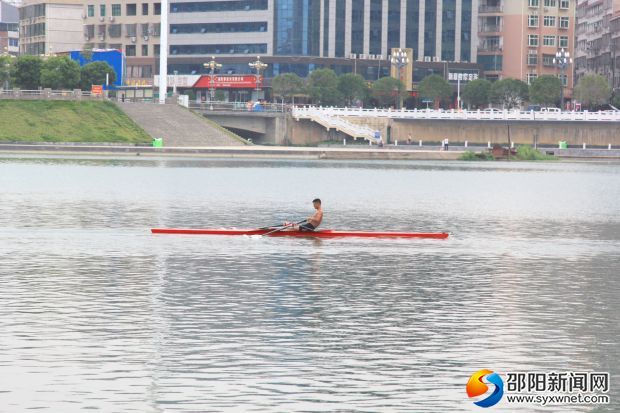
(476, 387)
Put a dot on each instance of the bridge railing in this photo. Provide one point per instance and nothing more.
(239, 106)
(604, 116)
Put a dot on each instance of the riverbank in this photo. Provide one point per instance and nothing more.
(91, 122)
(285, 152)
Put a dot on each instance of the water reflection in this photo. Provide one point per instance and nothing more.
(98, 313)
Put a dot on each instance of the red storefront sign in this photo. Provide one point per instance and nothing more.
(228, 82)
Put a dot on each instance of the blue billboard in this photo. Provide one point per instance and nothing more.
(113, 57)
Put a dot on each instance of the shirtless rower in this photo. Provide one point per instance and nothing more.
(312, 222)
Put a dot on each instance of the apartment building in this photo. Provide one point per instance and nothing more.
(131, 27)
(615, 48)
(596, 52)
(9, 28)
(519, 38)
(50, 26)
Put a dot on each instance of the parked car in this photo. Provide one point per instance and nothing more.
(533, 108)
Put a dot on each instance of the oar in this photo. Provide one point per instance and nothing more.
(283, 227)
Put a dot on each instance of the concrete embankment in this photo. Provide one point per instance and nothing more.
(236, 152)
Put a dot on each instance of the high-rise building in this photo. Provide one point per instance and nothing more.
(519, 38)
(615, 51)
(596, 52)
(130, 26)
(300, 35)
(50, 26)
(9, 29)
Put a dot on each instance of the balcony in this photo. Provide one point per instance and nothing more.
(490, 28)
(490, 9)
(490, 48)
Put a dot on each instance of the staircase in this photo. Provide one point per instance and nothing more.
(334, 122)
(178, 126)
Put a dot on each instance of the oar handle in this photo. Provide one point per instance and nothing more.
(283, 227)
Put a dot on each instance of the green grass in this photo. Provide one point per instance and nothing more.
(527, 153)
(67, 121)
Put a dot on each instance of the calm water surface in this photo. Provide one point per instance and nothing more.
(98, 314)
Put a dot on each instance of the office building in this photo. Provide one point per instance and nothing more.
(50, 26)
(519, 38)
(9, 29)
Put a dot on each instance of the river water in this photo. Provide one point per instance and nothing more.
(97, 313)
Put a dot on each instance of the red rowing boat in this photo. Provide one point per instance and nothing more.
(315, 234)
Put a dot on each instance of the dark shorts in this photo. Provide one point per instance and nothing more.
(306, 227)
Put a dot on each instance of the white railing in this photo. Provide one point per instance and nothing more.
(605, 116)
(336, 122)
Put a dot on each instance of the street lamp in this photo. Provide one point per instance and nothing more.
(258, 66)
(399, 59)
(212, 65)
(562, 60)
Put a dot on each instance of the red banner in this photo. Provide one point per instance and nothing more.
(228, 82)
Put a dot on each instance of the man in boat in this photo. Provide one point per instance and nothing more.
(312, 222)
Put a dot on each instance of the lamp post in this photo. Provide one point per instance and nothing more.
(212, 65)
(399, 59)
(562, 60)
(259, 66)
(174, 88)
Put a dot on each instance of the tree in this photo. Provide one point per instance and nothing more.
(387, 91)
(477, 93)
(27, 72)
(60, 72)
(323, 87)
(6, 66)
(95, 74)
(352, 87)
(593, 90)
(435, 88)
(287, 85)
(509, 93)
(616, 100)
(546, 90)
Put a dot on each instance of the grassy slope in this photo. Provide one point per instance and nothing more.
(66, 121)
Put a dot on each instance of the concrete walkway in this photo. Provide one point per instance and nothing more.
(178, 126)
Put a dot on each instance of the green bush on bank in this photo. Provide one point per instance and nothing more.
(473, 156)
(527, 153)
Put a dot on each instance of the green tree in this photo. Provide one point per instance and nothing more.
(593, 90)
(477, 93)
(6, 66)
(322, 87)
(27, 72)
(509, 92)
(616, 100)
(435, 88)
(388, 91)
(60, 72)
(287, 85)
(95, 74)
(352, 87)
(546, 90)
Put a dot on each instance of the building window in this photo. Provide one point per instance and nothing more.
(114, 30)
(564, 22)
(219, 6)
(563, 42)
(145, 30)
(208, 49)
(549, 21)
(145, 50)
(551, 3)
(157, 9)
(532, 40)
(531, 77)
(534, 3)
(204, 28)
(116, 10)
(548, 60)
(564, 4)
(147, 71)
(156, 49)
(532, 59)
(130, 50)
(532, 20)
(548, 40)
(91, 10)
(102, 10)
(131, 9)
(145, 9)
(130, 30)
